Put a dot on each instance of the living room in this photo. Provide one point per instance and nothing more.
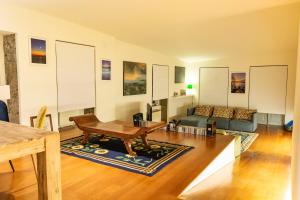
(197, 57)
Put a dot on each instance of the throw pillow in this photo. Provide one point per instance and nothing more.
(244, 114)
(224, 112)
(204, 110)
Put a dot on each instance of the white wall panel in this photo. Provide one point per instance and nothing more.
(160, 82)
(75, 76)
(268, 89)
(213, 86)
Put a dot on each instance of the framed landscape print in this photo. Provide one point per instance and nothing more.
(238, 82)
(106, 69)
(38, 51)
(134, 78)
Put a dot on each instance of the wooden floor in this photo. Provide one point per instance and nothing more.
(263, 172)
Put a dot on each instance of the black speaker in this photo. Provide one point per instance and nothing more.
(137, 118)
(211, 129)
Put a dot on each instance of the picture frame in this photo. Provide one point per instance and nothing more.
(38, 50)
(134, 78)
(48, 124)
(179, 74)
(238, 82)
(106, 69)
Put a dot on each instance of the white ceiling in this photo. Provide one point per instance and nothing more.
(186, 29)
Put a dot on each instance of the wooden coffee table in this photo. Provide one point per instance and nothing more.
(90, 124)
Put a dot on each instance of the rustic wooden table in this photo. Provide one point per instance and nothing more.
(90, 124)
(18, 141)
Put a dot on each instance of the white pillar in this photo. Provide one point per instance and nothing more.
(296, 138)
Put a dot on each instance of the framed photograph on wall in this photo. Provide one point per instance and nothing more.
(238, 82)
(38, 50)
(106, 69)
(134, 78)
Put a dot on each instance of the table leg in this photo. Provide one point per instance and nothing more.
(145, 141)
(49, 171)
(127, 144)
(86, 137)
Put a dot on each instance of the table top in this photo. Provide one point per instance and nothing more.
(120, 127)
(14, 133)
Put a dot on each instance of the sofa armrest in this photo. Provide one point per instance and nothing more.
(190, 111)
(254, 121)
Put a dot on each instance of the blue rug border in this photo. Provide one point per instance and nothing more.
(131, 170)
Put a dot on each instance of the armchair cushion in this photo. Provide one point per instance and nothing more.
(204, 110)
(243, 114)
(242, 125)
(223, 112)
(190, 111)
(221, 123)
(194, 120)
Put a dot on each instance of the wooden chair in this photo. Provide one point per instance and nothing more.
(4, 117)
(39, 122)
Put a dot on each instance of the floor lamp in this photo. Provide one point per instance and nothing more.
(5, 95)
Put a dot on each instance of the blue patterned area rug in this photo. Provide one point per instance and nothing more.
(111, 151)
(247, 138)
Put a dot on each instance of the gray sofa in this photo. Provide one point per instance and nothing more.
(221, 123)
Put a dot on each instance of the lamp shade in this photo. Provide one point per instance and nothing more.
(4, 92)
(189, 86)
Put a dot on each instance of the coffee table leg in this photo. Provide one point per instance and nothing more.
(145, 141)
(127, 144)
(86, 136)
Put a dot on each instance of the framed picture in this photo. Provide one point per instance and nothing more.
(238, 82)
(106, 69)
(134, 78)
(179, 74)
(38, 51)
(48, 123)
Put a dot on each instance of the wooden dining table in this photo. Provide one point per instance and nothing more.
(124, 130)
(17, 141)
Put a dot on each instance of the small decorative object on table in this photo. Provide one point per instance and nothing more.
(182, 92)
(172, 126)
(143, 123)
(211, 129)
(137, 118)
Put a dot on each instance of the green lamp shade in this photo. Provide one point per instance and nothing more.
(189, 86)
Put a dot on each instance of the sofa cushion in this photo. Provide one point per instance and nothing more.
(242, 125)
(223, 112)
(243, 114)
(221, 123)
(204, 110)
(194, 120)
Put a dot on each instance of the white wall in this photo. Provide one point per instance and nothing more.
(2, 66)
(241, 63)
(37, 84)
(296, 135)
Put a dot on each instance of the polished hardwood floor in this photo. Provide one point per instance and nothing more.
(263, 172)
